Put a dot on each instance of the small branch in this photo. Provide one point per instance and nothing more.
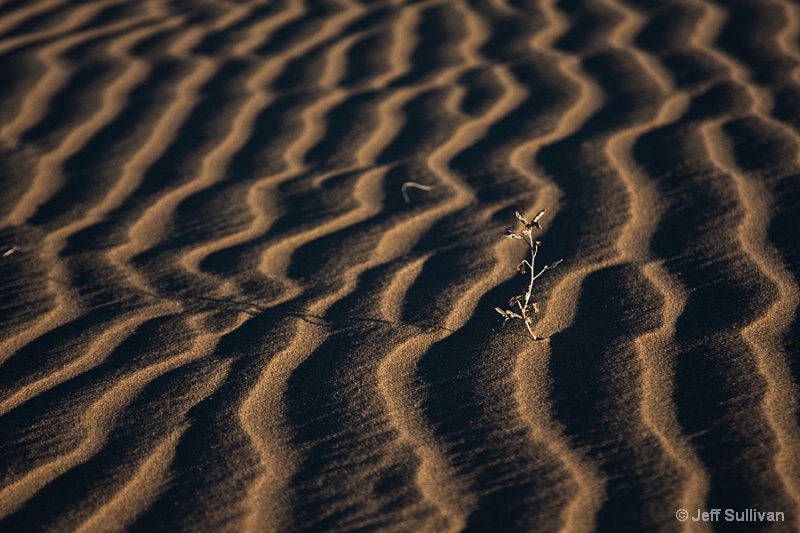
(523, 302)
(534, 251)
(415, 185)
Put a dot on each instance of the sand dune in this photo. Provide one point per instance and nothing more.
(221, 313)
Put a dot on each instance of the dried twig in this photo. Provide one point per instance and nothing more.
(526, 307)
(406, 185)
(8, 249)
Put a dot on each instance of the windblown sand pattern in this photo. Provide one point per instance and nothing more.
(219, 312)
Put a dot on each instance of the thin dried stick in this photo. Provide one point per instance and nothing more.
(414, 184)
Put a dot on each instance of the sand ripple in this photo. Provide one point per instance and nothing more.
(222, 314)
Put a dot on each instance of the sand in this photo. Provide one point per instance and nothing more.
(225, 308)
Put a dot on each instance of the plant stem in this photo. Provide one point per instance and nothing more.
(534, 250)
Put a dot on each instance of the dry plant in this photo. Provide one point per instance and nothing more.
(525, 307)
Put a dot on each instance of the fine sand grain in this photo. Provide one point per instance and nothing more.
(250, 254)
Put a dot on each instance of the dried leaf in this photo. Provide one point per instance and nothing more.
(521, 268)
(516, 299)
(538, 217)
(521, 218)
(553, 265)
(502, 313)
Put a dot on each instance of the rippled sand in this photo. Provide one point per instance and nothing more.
(220, 313)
